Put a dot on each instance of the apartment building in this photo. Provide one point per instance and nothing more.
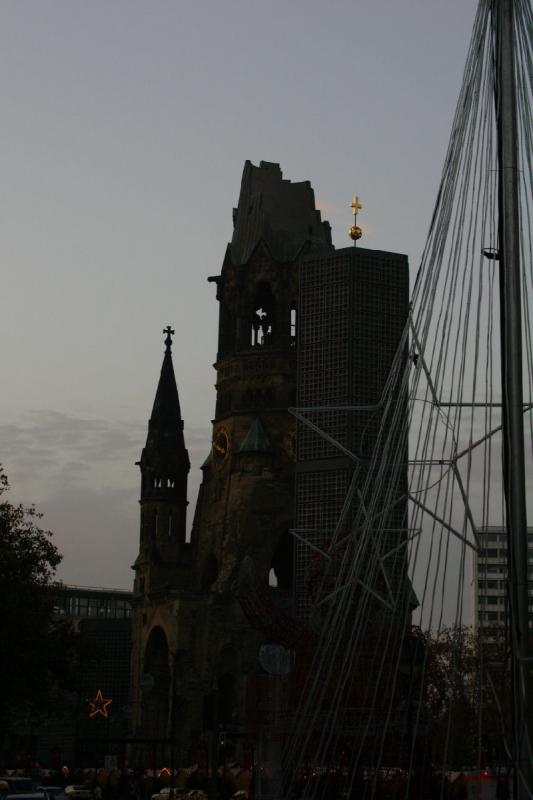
(490, 605)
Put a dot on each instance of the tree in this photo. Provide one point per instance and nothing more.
(38, 652)
(466, 694)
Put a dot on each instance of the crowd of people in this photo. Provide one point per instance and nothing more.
(193, 783)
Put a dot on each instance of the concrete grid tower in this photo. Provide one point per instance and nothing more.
(352, 313)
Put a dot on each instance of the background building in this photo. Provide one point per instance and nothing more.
(73, 733)
(81, 602)
(490, 606)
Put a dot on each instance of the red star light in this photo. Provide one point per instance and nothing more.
(99, 705)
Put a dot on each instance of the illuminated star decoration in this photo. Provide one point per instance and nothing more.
(99, 705)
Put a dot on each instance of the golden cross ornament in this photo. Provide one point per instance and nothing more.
(355, 205)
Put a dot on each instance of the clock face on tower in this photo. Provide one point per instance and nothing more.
(220, 449)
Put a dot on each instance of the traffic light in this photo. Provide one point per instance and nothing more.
(221, 738)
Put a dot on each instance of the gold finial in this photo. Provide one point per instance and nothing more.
(355, 205)
(355, 231)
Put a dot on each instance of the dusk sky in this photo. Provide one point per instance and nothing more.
(125, 128)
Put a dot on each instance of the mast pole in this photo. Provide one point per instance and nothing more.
(512, 400)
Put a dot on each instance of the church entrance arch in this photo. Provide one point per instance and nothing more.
(156, 698)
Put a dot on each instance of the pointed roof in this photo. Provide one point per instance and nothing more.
(256, 440)
(166, 410)
(165, 444)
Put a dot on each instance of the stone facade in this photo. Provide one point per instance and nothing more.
(195, 652)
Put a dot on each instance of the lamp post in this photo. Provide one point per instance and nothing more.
(512, 382)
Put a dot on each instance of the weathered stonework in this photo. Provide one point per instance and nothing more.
(191, 638)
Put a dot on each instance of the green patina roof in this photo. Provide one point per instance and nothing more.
(256, 440)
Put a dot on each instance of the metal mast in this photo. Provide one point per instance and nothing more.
(512, 400)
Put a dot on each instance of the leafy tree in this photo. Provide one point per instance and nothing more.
(466, 691)
(38, 652)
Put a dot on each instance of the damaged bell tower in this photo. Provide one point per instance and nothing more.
(246, 500)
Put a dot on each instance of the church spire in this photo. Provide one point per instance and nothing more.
(168, 341)
(164, 468)
(164, 461)
(166, 412)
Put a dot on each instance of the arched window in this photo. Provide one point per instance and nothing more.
(155, 701)
(293, 325)
(263, 316)
(283, 563)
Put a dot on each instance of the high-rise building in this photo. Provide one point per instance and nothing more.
(352, 588)
(490, 603)
(352, 315)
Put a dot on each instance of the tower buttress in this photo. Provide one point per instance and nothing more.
(164, 466)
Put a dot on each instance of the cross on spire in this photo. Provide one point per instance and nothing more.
(168, 341)
(355, 231)
(355, 205)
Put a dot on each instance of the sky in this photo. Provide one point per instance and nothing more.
(125, 128)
